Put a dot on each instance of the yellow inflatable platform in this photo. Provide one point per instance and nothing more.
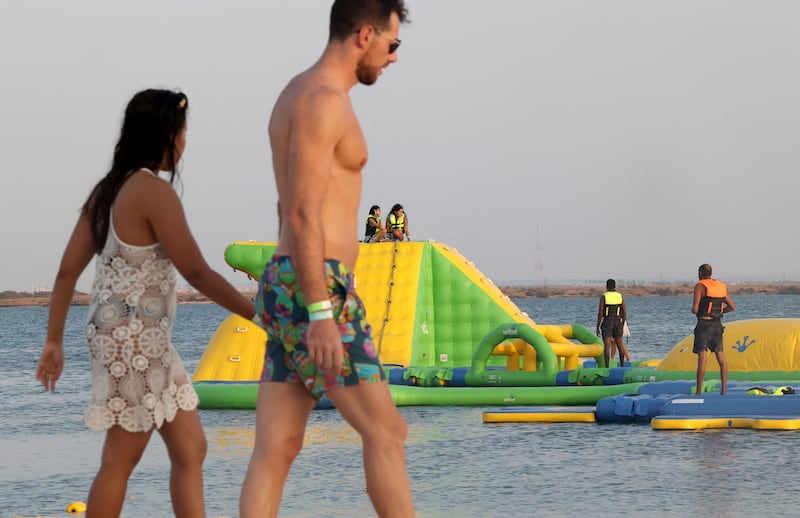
(234, 353)
(769, 344)
(721, 423)
(544, 414)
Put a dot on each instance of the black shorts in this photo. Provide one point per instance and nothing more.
(708, 336)
(611, 327)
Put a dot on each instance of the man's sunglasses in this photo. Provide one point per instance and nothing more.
(394, 43)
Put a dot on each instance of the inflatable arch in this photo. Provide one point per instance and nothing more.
(545, 350)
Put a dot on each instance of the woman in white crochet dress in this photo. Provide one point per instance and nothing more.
(134, 222)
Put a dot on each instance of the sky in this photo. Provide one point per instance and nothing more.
(550, 142)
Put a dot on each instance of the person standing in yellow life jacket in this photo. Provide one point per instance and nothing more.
(611, 320)
(374, 231)
(397, 223)
(710, 302)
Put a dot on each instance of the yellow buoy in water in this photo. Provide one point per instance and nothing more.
(76, 508)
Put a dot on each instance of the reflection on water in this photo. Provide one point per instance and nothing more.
(231, 441)
(458, 466)
(240, 439)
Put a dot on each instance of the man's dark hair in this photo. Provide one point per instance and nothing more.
(704, 270)
(611, 284)
(347, 16)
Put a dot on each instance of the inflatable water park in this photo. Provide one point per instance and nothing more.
(448, 336)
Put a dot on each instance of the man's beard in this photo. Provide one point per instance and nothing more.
(366, 74)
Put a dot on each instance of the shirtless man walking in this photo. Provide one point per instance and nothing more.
(319, 340)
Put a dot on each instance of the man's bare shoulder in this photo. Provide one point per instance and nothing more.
(310, 93)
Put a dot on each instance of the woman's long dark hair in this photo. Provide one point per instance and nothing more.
(153, 120)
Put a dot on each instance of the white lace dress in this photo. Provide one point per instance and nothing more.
(138, 380)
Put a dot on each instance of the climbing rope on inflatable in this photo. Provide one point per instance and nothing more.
(389, 297)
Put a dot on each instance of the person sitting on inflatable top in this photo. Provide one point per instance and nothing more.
(397, 223)
(373, 231)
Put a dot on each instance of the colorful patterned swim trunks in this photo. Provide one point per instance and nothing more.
(285, 318)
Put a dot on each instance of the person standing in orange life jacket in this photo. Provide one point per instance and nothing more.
(711, 301)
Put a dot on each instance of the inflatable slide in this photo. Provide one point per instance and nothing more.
(430, 310)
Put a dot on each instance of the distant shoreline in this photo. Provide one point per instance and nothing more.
(649, 290)
(21, 299)
(82, 299)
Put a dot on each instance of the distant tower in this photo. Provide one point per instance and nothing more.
(538, 267)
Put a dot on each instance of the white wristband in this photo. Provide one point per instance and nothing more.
(325, 314)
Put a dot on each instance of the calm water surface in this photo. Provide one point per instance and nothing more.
(458, 465)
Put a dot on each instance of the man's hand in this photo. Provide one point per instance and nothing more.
(325, 346)
(50, 366)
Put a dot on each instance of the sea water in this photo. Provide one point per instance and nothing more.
(458, 465)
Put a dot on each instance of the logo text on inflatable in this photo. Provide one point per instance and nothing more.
(511, 331)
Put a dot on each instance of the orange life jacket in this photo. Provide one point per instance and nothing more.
(711, 302)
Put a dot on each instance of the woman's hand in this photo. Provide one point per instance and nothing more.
(51, 363)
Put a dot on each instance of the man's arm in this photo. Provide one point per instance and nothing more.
(317, 126)
(600, 311)
(699, 291)
(728, 307)
(624, 313)
(316, 129)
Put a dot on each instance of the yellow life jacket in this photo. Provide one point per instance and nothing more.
(370, 230)
(613, 304)
(395, 222)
